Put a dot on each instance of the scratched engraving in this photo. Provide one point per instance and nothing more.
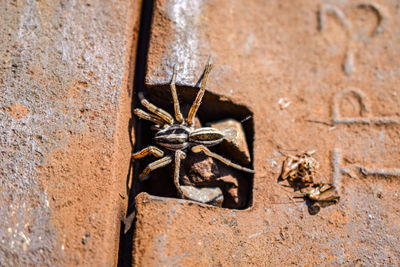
(347, 26)
(365, 110)
(335, 11)
(338, 170)
(379, 171)
(364, 116)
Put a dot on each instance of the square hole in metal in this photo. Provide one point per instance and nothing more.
(197, 169)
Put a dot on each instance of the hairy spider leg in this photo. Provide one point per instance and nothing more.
(179, 155)
(156, 152)
(205, 150)
(150, 117)
(155, 165)
(178, 114)
(159, 112)
(200, 94)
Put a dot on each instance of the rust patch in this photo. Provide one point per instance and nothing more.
(84, 199)
(17, 111)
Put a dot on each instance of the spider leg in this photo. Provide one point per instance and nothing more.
(150, 117)
(200, 94)
(155, 165)
(178, 114)
(179, 155)
(156, 152)
(162, 114)
(199, 148)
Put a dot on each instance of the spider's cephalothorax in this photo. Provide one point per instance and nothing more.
(178, 135)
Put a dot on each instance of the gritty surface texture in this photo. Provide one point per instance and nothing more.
(63, 71)
(286, 61)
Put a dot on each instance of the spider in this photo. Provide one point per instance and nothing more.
(177, 136)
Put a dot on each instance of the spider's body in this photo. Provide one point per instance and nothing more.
(175, 137)
(178, 135)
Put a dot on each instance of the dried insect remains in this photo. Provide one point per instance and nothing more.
(300, 171)
(301, 168)
(321, 192)
(177, 136)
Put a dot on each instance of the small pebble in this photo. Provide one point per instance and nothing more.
(85, 56)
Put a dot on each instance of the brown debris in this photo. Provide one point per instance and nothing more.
(300, 171)
(300, 168)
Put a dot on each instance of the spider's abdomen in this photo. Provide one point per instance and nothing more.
(206, 136)
(173, 137)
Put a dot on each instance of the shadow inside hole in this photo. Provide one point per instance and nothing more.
(212, 109)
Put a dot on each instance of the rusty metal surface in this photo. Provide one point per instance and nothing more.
(62, 72)
(318, 75)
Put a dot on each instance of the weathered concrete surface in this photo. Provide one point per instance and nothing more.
(305, 53)
(63, 81)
